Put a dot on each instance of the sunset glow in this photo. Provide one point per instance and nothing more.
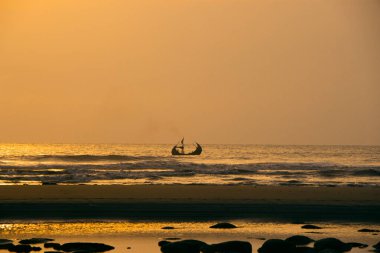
(265, 72)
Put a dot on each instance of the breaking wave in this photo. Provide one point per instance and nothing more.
(156, 169)
(220, 164)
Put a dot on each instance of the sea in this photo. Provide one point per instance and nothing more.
(126, 164)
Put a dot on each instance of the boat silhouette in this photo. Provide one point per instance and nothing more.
(179, 149)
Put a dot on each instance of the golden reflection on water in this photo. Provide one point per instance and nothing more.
(143, 236)
(90, 228)
(149, 228)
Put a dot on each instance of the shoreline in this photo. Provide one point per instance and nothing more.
(190, 202)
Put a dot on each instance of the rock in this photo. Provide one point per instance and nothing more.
(6, 246)
(167, 227)
(277, 246)
(85, 246)
(36, 249)
(21, 248)
(5, 241)
(329, 251)
(299, 240)
(223, 225)
(227, 247)
(52, 245)
(357, 245)
(305, 250)
(309, 226)
(184, 246)
(377, 246)
(368, 230)
(35, 240)
(331, 243)
(162, 243)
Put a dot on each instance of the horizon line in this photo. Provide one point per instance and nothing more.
(145, 143)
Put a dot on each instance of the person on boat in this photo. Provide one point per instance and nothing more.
(182, 147)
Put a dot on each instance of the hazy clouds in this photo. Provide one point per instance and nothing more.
(140, 71)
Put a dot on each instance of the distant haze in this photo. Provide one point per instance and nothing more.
(215, 71)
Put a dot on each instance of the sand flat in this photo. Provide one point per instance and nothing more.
(189, 202)
(189, 193)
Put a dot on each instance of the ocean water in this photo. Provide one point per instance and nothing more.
(218, 164)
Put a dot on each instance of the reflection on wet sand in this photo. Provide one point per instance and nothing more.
(144, 236)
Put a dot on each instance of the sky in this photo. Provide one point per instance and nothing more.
(214, 71)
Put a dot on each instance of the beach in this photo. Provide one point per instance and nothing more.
(124, 195)
(204, 202)
(133, 216)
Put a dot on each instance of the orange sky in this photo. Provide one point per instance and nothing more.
(225, 71)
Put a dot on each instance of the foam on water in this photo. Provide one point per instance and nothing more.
(219, 164)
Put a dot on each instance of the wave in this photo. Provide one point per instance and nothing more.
(79, 158)
(180, 167)
(154, 162)
(367, 172)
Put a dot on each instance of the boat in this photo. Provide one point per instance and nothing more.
(176, 149)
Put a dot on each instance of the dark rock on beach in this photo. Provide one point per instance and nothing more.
(6, 245)
(85, 247)
(227, 247)
(35, 240)
(377, 247)
(299, 240)
(309, 226)
(305, 250)
(20, 248)
(23, 248)
(223, 225)
(331, 243)
(185, 246)
(5, 241)
(162, 243)
(329, 251)
(53, 245)
(366, 230)
(167, 227)
(276, 246)
(357, 245)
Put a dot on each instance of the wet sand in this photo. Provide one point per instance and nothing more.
(190, 202)
(144, 236)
